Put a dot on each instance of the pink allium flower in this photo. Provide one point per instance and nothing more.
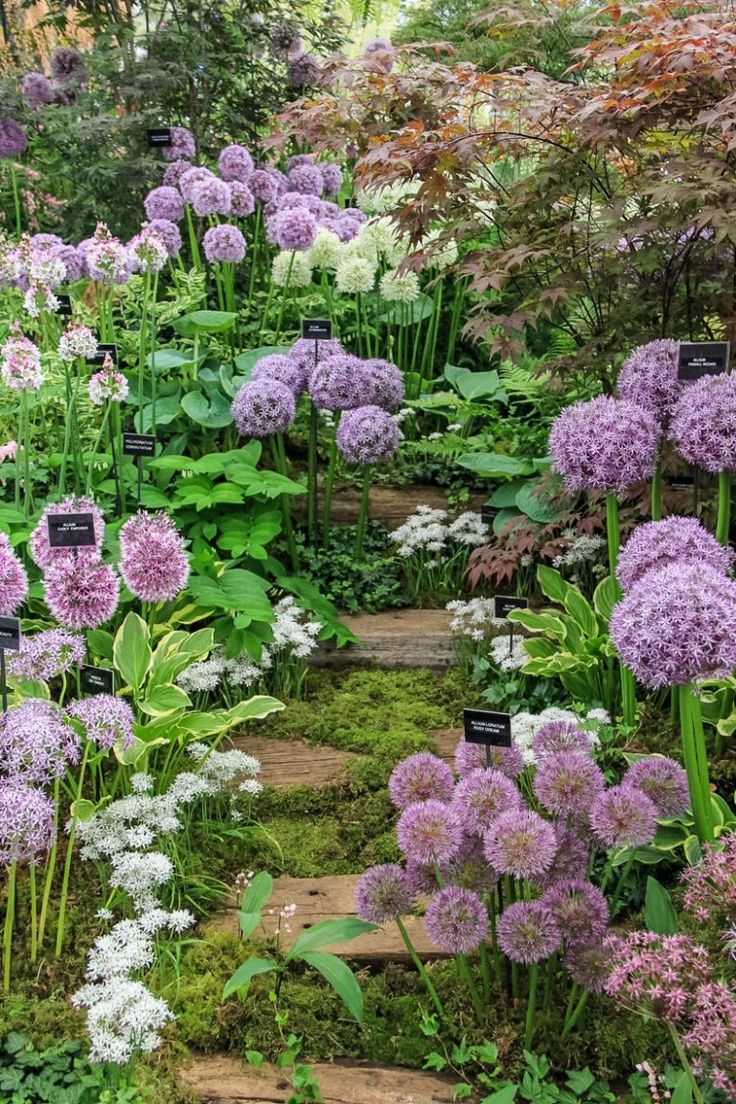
(107, 385)
(428, 832)
(567, 784)
(224, 243)
(674, 539)
(183, 146)
(169, 234)
(710, 885)
(153, 561)
(191, 178)
(263, 407)
(147, 251)
(383, 894)
(242, 200)
(106, 257)
(703, 427)
(571, 857)
(456, 920)
(677, 624)
(581, 911)
(419, 778)
(20, 363)
(46, 655)
(468, 868)
(623, 817)
(41, 551)
(589, 966)
(649, 378)
(386, 384)
(604, 444)
(522, 844)
(481, 797)
(235, 163)
(107, 720)
(164, 203)
(37, 743)
(284, 369)
(81, 593)
(26, 822)
(656, 974)
(13, 579)
(174, 172)
(527, 932)
(211, 197)
(711, 1038)
(470, 757)
(558, 736)
(664, 782)
(77, 341)
(367, 435)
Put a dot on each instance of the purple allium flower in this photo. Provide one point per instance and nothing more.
(235, 163)
(677, 624)
(568, 783)
(299, 159)
(107, 385)
(46, 655)
(457, 920)
(310, 353)
(164, 203)
(383, 894)
(224, 243)
(37, 90)
(284, 369)
(263, 186)
(521, 843)
(73, 261)
(169, 234)
(386, 384)
(571, 857)
(41, 551)
(470, 757)
(657, 543)
(80, 592)
(306, 178)
(37, 742)
(623, 816)
(13, 579)
(46, 241)
(107, 720)
(263, 407)
(242, 200)
(367, 435)
(311, 203)
(604, 444)
(331, 177)
(558, 736)
(589, 966)
(153, 561)
(581, 911)
(346, 228)
(527, 932)
(192, 178)
(293, 229)
(664, 782)
(182, 146)
(703, 427)
(26, 822)
(428, 832)
(481, 797)
(13, 140)
(174, 172)
(303, 71)
(211, 197)
(649, 378)
(339, 382)
(67, 66)
(421, 777)
(20, 363)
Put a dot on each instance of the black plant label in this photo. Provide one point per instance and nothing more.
(702, 358)
(503, 604)
(139, 444)
(96, 680)
(316, 329)
(159, 136)
(65, 305)
(71, 530)
(10, 634)
(484, 726)
(102, 351)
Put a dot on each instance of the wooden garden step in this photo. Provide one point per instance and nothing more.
(286, 763)
(333, 898)
(220, 1079)
(446, 740)
(393, 505)
(397, 638)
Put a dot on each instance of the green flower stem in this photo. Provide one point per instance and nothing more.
(34, 912)
(428, 354)
(193, 244)
(573, 1017)
(9, 921)
(254, 251)
(420, 968)
(68, 860)
(497, 965)
(723, 525)
(625, 870)
(363, 515)
(98, 439)
(531, 1005)
(684, 1062)
(153, 342)
(628, 686)
(463, 969)
(279, 459)
(16, 200)
(485, 966)
(284, 297)
(142, 344)
(50, 868)
(312, 471)
(656, 510)
(329, 486)
(691, 729)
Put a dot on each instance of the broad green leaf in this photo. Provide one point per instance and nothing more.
(581, 611)
(502, 1096)
(342, 979)
(605, 596)
(214, 413)
(204, 321)
(246, 362)
(693, 850)
(257, 893)
(244, 974)
(659, 912)
(507, 521)
(248, 922)
(495, 465)
(164, 360)
(237, 590)
(481, 385)
(552, 584)
(83, 809)
(539, 648)
(99, 643)
(683, 1091)
(132, 654)
(538, 507)
(539, 622)
(130, 755)
(165, 699)
(254, 709)
(168, 407)
(505, 494)
(326, 932)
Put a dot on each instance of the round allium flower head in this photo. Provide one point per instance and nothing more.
(527, 932)
(107, 385)
(456, 920)
(357, 272)
(77, 341)
(242, 200)
(310, 353)
(153, 561)
(26, 822)
(649, 378)
(13, 140)
(367, 435)
(263, 186)
(13, 579)
(331, 177)
(589, 966)
(107, 720)
(566, 784)
(399, 287)
(657, 543)
(169, 234)
(623, 816)
(37, 743)
(353, 274)
(383, 894)
(37, 90)
(580, 909)
(571, 857)
(46, 655)
(604, 444)
(386, 383)
(470, 757)
(284, 369)
(67, 66)
(521, 843)
(41, 551)
(174, 172)
(339, 382)
(703, 427)
(182, 148)
(235, 163)
(428, 832)
(263, 407)
(419, 778)
(306, 178)
(293, 229)
(192, 178)
(303, 71)
(73, 261)
(664, 782)
(81, 593)
(677, 624)
(106, 257)
(558, 736)
(20, 363)
(164, 203)
(211, 197)
(483, 796)
(291, 269)
(224, 243)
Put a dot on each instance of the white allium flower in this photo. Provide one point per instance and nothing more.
(326, 251)
(123, 1019)
(475, 618)
(399, 287)
(140, 874)
(300, 264)
(77, 341)
(509, 654)
(469, 528)
(354, 275)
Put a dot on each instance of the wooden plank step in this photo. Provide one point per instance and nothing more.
(220, 1079)
(446, 740)
(397, 638)
(333, 898)
(286, 763)
(390, 505)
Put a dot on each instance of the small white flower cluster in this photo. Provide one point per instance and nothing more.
(475, 618)
(581, 551)
(428, 530)
(377, 201)
(524, 726)
(509, 654)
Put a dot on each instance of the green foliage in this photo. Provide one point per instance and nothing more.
(370, 584)
(60, 1074)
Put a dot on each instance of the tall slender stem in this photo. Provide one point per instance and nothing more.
(574, 1014)
(628, 686)
(363, 515)
(9, 922)
(329, 485)
(16, 200)
(279, 458)
(50, 868)
(685, 1063)
(312, 471)
(723, 525)
(68, 860)
(698, 793)
(657, 487)
(531, 1005)
(463, 969)
(34, 911)
(420, 967)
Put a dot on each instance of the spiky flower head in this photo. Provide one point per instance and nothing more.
(183, 146)
(37, 743)
(108, 260)
(169, 234)
(648, 378)
(107, 385)
(192, 177)
(224, 243)
(559, 736)
(41, 551)
(703, 427)
(81, 593)
(263, 186)
(339, 382)
(589, 966)
(367, 435)
(211, 196)
(664, 782)
(470, 757)
(303, 71)
(566, 784)
(37, 90)
(235, 163)
(399, 287)
(571, 857)
(673, 539)
(623, 816)
(419, 778)
(153, 561)
(383, 894)
(284, 369)
(604, 444)
(13, 579)
(77, 341)
(456, 920)
(331, 177)
(20, 363)
(306, 178)
(677, 624)
(527, 932)
(174, 172)
(481, 797)
(521, 843)
(242, 200)
(354, 274)
(386, 384)
(292, 270)
(580, 909)
(310, 353)
(263, 407)
(327, 249)
(164, 203)
(107, 720)
(13, 139)
(46, 655)
(293, 229)
(429, 832)
(26, 822)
